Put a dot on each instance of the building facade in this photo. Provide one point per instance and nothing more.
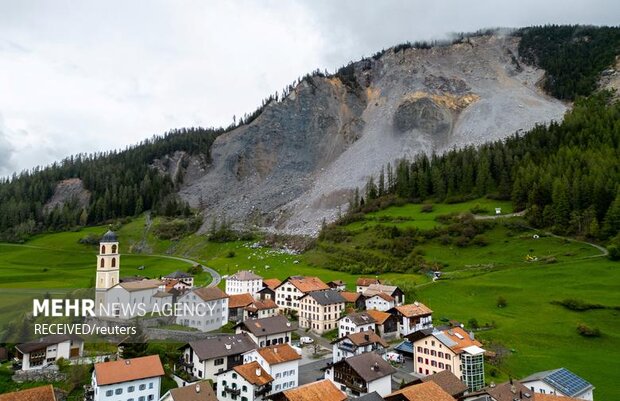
(280, 361)
(137, 378)
(355, 322)
(362, 374)
(46, 351)
(293, 288)
(205, 309)
(244, 282)
(247, 382)
(319, 311)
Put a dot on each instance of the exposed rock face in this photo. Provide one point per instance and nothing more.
(300, 160)
(68, 191)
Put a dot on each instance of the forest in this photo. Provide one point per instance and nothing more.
(566, 175)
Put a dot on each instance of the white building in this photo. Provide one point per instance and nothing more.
(244, 282)
(362, 374)
(363, 283)
(356, 344)
(380, 301)
(355, 322)
(248, 382)
(47, 350)
(181, 277)
(199, 391)
(260, 309)
(203, 359)
(138, 379)
(280, 361)
(293, 288)
(391, 290)
(130, 299)
(560, 382)
(268, 331)
(108, 267)
(205, 309)
(319, 311)
(413, 317)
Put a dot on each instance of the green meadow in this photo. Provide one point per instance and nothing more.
(535, 333)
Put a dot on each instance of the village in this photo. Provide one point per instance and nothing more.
(297, 339)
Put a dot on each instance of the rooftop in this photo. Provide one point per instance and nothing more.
(379, 316)
(359, 318)
(414, 309)
(421, 392)
(276, 354)
(307, 284)
(219, 346)
(272, 283)
(374, 288)
(210, 293)
(366, 281)
(45, 341)
(364, 338)
(327, 297)
(245, 275)
(350, 296)
(239, 300)
(448, 382)
(268, 325)
(43, 393)
(369, 366)
(140, 285)
(320, 390)
(261, 305)
(125, 370)
(561, 379)
(200, 391)
(457, 340)
(109, 236)
(253, 373)
(178, 274)
(382, 295)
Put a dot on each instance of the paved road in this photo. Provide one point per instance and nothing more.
(216, 278)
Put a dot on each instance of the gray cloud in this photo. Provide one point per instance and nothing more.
(91, 76)
(6, 151)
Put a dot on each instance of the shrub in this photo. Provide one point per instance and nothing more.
(231, 254)
(577, 305)
(427, 208)
(587, 331)
(473, 323)
(461, 241)
(477, 209)
(501, 302)
(480, 240)
(614, 252)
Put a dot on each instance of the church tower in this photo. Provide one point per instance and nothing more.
(108, 266)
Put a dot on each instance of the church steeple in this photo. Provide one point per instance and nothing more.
(108, 262)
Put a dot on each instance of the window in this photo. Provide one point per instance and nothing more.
(103, 249)
(142, 387)
(234, 375)
(131, 389)
(244, 388)
(151, 397)
(218, 361)
(102, 264)
(118, 391)
(113, 262)
(141, 398)
(113, 248)
(109, 393)
(151, 385)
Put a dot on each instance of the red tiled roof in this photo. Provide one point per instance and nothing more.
(429, 391)
(253, 373)
(280, 353)
(125, 370)
(43, 393)
(272, 283)
(415, 309)
(323, 390)
(239, 300)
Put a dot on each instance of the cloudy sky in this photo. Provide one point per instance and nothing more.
(84, 76)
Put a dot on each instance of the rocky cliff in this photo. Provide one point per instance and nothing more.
(300, 160)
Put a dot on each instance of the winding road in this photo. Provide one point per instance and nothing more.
(216, 278)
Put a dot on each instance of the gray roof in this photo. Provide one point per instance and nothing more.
(221, 346)
(369, 366)
(179, 274)
(359, 318)
(268, 325)
(245, 275)
(562, 380)
(374, 396)
(110, 236)
(327, 297)
(43, 342)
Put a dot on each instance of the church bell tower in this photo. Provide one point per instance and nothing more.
(108, 266)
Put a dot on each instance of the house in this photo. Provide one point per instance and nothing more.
(248, 382)
(386, 324)
(362, 374)
(354, 300)
(42, 393)
(268, 331)
(374, 396)
(244, 282)
(338, 285)
(281, 361)
(293, 288)
(260, 309)
(380, 301)
(205, 309)
(269, 289)
(413, 317)
(204, 358)
(447, 381)
(182, 277)
(356, 344)
(391, 290)
(509, 391)
(355, 322)
(137, 378)
(122, 300)
(324, 390)
(362, 283)
(199, 391)
(319, 311)
(47, 350)
(236, 305)
(559, 382)
(453, 350)
(429, 391)
(178, 285)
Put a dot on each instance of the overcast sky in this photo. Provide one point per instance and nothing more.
(84, 76)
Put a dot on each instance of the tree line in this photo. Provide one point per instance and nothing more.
(566, 175)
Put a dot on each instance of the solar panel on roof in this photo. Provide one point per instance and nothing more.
(567, 382)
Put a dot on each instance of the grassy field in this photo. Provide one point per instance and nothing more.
(542, 335)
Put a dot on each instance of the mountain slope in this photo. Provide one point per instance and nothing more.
(300, 161)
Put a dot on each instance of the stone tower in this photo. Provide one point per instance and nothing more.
(108, 266)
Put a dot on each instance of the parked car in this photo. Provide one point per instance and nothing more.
(306, 340)
(393, 357)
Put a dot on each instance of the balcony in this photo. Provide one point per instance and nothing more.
(235, 392)
(266, 389)
(347, 347)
